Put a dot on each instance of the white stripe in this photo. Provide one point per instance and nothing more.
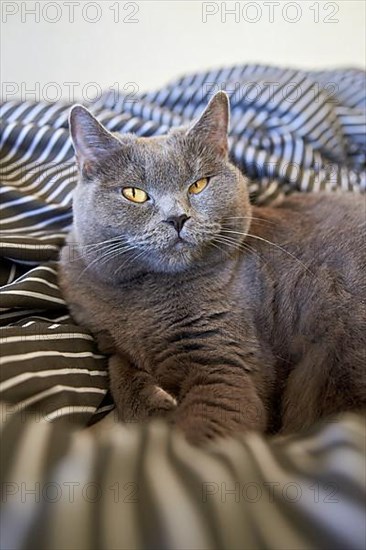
(47, 319)
(68, 199)
(36, 212)
(18, 111)
(37, 138)
(41, 337)
(40, 235)
(59, 190)
(43, 354)
(45, 268)
(27, 233)
(34, 270)
(18, 313)
(106, 408)
(4, 386)
(52, 143)
(49, 113)
(33, 112)
(27, 466)
(62, 120)
(57, 389)
(62, 318)
(41, 224)
(36, 279)
(22, 200)
(64, 151)
(72, 409)
(11, 274)
(42, 158)
(29, 246)
(6, 107)
(48, 172)
(21, 137)
(6, 133)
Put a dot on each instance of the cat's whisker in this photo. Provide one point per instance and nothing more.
(113, 240)
(100, 255)
(231, 222)
(233, 243)
(230, 241)
(114, 253)
(272, 244)
(218, 247)
(248, 218)
(240, 244)
(120, 252)
(85, 249)
(134, 258)
(111, 255)
(227, 241)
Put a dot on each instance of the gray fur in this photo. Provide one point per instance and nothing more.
(252, 318)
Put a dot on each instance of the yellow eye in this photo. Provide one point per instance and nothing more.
(198, 186)
(134, 194)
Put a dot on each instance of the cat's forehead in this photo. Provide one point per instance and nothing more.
(169, 161)
(159, 147)
(160, 157)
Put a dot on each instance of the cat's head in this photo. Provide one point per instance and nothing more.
(163, 201)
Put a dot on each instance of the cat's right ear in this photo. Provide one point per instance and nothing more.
(91, 141)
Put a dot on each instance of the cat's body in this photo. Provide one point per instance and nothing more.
(264, 332)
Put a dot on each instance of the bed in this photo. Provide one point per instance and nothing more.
(290, 131)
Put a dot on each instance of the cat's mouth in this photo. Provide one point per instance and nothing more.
(175, 255)
(180, 243)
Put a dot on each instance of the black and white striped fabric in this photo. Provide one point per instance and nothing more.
(290, 131)
(146, 488)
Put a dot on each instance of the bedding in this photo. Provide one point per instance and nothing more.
(290, 131)
(145, 487)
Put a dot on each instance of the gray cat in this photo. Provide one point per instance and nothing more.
(223, 316)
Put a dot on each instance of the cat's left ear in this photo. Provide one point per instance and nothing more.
(213, 125)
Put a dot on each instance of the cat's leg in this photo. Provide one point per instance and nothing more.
(105, 342)
(135, 392)
(218, 403)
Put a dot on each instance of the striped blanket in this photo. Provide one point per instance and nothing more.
(145, 488)
(290, 131)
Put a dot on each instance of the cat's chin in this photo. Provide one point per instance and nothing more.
(177, 260)
(184, 257)
(179, 256)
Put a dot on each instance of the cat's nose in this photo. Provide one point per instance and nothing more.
(177, 221)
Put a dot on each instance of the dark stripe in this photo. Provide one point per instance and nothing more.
(192, 335)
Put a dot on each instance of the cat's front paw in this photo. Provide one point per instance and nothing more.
(135, 393)
(158, 401)
(200, 433)
(151, 401)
